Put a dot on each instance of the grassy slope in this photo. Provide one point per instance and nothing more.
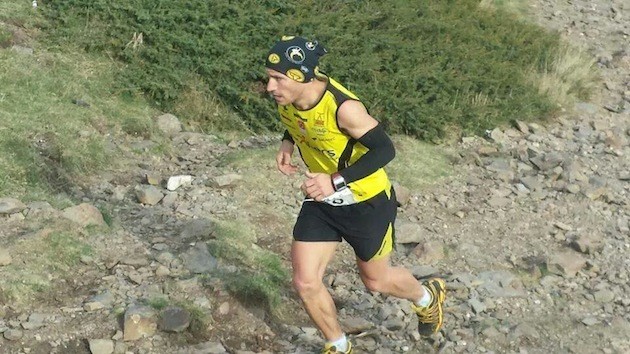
(47, 139)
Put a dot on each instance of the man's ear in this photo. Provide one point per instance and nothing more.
(319, 75)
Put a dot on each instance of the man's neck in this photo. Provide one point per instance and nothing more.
(311, 95)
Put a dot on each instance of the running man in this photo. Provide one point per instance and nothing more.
(348, 195)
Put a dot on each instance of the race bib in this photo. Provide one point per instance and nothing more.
(340, 198)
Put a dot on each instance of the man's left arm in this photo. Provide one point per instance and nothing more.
(354, 119)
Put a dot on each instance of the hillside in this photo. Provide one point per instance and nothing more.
(529, 225)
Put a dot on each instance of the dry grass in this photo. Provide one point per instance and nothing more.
(567, 77)
(204, 111)
(570, 75)
(518, 7)
(418, 164)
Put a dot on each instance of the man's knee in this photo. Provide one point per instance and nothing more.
(374, 284)
(306, 287)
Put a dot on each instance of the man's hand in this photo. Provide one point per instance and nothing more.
(317, 186)
(283, 158)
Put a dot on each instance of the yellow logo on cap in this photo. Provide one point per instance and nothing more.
(274, 58)
(296, 75)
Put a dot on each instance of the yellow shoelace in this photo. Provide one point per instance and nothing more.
(430, 314)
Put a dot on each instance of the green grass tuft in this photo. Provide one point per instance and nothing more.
(262, 278)
(158, 303)
(43, 258)
(254, 288)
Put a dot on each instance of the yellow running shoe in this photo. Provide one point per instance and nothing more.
(430, 318)
(330, 349)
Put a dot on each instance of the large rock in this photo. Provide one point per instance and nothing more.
(13, 334)
(408, 232)
(40, 209)
(199, 260)
(198, 229)
(403, 194)
(140, 321)
(355, 325)
(175, 182)
(566, 263)
(548, 161)
(588, 243)
(99, 301)
(429, 252)
(227, 180)
(101, 346)
(11, 206)
(148, 194)
(169, 124)
(174, 319)
(84, 215)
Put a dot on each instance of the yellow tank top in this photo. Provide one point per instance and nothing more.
(324, 147)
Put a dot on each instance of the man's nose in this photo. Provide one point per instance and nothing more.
(270, 85)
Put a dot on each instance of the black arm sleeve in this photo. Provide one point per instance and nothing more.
(381, 151)
(288, 137)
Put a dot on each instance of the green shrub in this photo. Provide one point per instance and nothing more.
(427, 65)
(220, 41)
(420, 66)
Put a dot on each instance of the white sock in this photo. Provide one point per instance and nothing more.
(341, 344)
(426, 299)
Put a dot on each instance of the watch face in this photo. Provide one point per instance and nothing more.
(339, 182)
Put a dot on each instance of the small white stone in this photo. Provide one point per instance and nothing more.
(178, 181)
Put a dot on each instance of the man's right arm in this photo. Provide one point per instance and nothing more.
(287, 136)
(283, 157)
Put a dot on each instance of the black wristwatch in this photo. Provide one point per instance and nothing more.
(338, 182)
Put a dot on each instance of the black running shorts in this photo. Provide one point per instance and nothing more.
(367, 226)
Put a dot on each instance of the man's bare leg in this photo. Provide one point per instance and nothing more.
(427, 298)
(380, 276)
(309, 263)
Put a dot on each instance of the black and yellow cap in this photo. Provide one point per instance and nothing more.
(296, 57)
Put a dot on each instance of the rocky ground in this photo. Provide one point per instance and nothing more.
(531, 234)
